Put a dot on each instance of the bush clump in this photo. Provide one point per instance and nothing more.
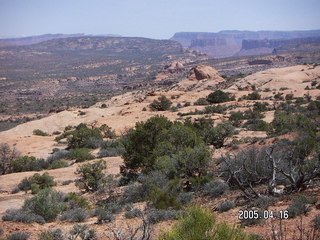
(19, 236)
(196, 225)
(18, 215)
(161, 144)
(162, 104)
(47, 203)
(214, 109)
(74, 215)
(58, 164)
(76, 201)
(185, 198)
(215, 189)
(37, 182)
(253, 114)
(217, 136)
(288, 122)
(263, 202)
(55, 234)
(316, 222)
(67, 182)
(111, 148)
(103, 105)
(226, 206)
(134, 193)
(27, 163)
(15, 190)
(114, 207)
(83, 232)
(80, 154)
(199, 223)
(7, 155)
(104, 216)
(58, 155)
(219, 97)
(236, 118)
(91, 175)
(107, 131)
(261, 107)
(39, 132)
(162, 199)
(257, 125)
(252, 96)
(112, 152)
(159, 215)
(82, 135)
(201, 102)
(299, 206)
(133, 213)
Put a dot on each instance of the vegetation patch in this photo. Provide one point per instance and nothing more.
(18, 215)
(74, 215)
(162, 104)
(37, 182)
(219, 96)
(300, 206)
(80, 154)
(47, 204)
(39, 132)
(91, 175)
(226, 206)
(199, 223)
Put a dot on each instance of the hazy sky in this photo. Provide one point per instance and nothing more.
(154, 18)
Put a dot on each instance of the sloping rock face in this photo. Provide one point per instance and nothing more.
(294, 78)
(201, 72)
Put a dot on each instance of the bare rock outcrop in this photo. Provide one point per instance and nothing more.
(294, 78)
(201, 72)
(200, 78)
(174, 67)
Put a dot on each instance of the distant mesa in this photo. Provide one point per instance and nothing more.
(35, 39)
(267, 46)
(208, 42)
(238, 43)
(114, 45)
(24, 41)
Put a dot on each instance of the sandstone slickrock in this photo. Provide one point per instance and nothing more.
(294, 78)
(201, 72)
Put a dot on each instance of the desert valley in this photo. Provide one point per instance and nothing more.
(204, 136)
